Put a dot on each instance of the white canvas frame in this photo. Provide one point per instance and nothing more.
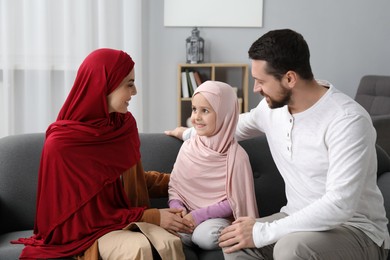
(213, 13)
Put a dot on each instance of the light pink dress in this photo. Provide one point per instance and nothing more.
(209, 170)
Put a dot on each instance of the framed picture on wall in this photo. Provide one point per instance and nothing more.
(213, 13)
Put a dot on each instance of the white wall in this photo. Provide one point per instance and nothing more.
(347, 39)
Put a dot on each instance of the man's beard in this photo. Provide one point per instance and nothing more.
(285, 99)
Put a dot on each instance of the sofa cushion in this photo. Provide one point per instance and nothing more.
(19, 163)
(267, 179)
(12, 251)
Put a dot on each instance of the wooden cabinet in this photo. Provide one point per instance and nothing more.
(235, 74)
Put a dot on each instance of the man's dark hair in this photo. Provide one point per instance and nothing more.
(283, 50)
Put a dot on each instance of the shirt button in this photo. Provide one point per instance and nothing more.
(290, 120)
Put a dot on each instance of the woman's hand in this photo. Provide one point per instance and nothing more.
(177, 132)
(171, 220)
(182, 213)
(190, 219)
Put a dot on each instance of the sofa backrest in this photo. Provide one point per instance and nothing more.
(20, 158)
(158, 153)
(269, 185)
(373, 94)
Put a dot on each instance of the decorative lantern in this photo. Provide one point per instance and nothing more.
(194, 47)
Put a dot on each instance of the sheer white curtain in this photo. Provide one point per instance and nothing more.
(42, 43)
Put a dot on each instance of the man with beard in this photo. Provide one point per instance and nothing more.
(323, 144)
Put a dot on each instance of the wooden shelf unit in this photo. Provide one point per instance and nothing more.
(234, 74)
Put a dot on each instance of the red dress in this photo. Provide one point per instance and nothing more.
(80, 194)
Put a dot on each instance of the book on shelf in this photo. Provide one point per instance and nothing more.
(194, 85)
(184, 85)
(197, 77)
(189, 84)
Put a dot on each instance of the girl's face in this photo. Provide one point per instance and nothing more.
(203, 116)
(119, 99)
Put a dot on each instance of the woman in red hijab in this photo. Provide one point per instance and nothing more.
(91, 182)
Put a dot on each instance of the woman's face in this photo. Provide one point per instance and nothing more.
(203, 116)
(119, 99)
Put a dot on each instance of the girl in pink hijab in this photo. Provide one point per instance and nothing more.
(212, 179)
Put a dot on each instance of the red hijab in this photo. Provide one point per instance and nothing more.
(80, 195)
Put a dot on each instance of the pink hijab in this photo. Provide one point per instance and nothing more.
(211, 169)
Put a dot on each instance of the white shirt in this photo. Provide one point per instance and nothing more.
(327, 158)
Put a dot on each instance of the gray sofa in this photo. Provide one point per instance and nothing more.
(19, 162)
